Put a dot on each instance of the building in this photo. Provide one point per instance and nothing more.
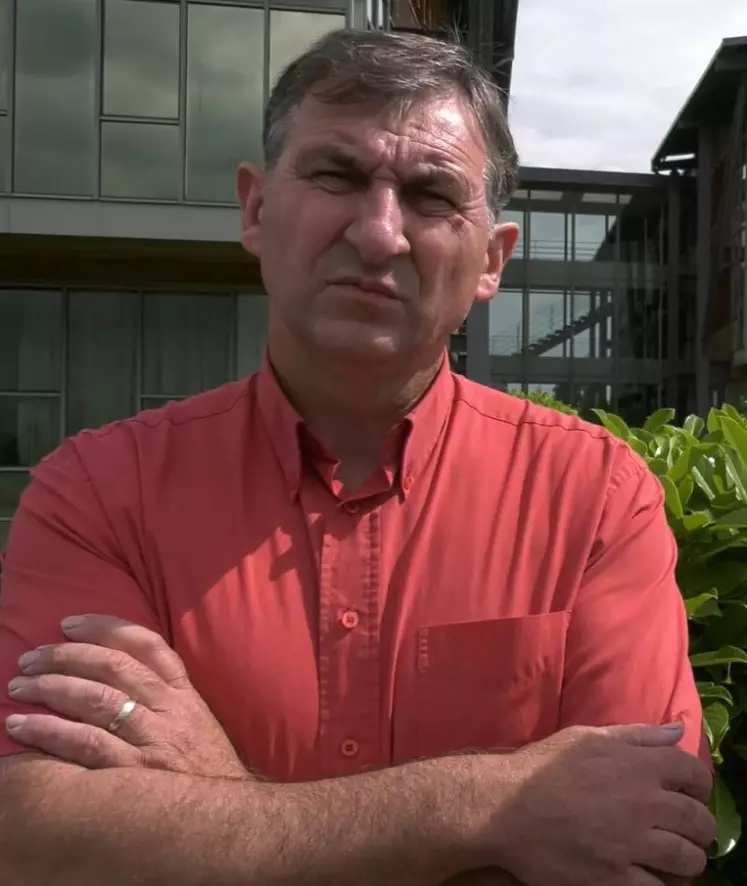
(122, 284)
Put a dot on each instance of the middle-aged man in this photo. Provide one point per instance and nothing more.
(421, 611)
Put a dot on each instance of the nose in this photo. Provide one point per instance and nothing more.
(377, 232)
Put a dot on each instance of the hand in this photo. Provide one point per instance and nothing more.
(619, 806)
(88, 680)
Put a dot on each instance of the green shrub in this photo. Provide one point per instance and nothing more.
(545, 400)
(702, 467)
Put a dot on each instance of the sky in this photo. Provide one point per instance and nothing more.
(596, 84)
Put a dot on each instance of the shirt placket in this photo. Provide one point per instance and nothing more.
(349, 639)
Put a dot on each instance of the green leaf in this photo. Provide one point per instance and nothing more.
(694, 425)
(712, 691)
(694, 604)
(661, 417)
(671, 497)
(737, 519)
(725, 655)
(613, 423)
(736, 434)
(717, 720)
(729, 824)
(713, 422)
(691, 522)
(685, 488)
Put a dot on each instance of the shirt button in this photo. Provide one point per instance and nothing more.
(350, 619)
(349, 747)
(407, 483)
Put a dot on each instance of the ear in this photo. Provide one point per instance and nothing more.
(251, 199)
(500, 249)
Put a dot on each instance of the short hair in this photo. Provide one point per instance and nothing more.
(399, 69)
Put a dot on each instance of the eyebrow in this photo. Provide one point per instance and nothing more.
(426, 175)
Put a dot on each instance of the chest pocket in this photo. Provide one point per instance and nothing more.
(484, 685)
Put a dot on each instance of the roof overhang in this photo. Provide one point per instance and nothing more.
(710, 104)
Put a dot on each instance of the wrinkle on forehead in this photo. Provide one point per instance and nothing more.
(434, 134)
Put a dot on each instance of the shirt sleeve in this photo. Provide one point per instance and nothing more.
(62, 558)
(627, 647)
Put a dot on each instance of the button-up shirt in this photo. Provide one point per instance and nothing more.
(507, 571)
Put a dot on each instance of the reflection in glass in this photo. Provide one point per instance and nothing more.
(12, 484)
(548, 238)
(506, 323)
(188, 343)
(30, 340)
(592, 396)
(292, 33)
(251, 333)
(141, 59)
(592, 323)
(590, 242)
(55, 130)
(29, 429)
(517, 217)
(103, 332)
(140, 160)
(224, 97)
(550, 331)
(5, 56)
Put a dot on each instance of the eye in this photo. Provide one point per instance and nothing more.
(333, 177)
(435, 201)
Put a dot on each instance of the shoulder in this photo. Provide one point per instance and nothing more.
(541, 439)
(123, 455)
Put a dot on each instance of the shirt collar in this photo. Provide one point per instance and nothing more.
(423, 427)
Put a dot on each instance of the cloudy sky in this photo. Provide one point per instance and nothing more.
(596, 83)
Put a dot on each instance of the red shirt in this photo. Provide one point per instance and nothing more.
(507, 572)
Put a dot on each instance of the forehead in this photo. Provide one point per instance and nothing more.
(440, 132)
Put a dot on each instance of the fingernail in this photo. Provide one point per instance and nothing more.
(15, 722)
(673, 727)
(17, 684)
(75, 621)
(28, 658)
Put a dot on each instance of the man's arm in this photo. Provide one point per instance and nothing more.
(627, 648)
(77, 827)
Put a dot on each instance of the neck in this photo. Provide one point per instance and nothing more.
(350, 408)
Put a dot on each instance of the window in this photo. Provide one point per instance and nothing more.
(592, 323)
(548, 239)
(549, 323)
(225, 89)
(189, 343)
(291, 33)
(103, 336)
(141, 59)
(593, 237)
(4, 158)
(140, 160)
(251, 333)
(55, 134)
(506, 337)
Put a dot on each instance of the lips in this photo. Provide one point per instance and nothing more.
(375, 287)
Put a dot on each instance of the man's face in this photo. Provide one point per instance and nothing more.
(373, 231)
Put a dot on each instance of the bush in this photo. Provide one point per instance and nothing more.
(702, 467)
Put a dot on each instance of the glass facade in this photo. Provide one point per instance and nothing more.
(156, 100)
(79, 359)
(581, 312)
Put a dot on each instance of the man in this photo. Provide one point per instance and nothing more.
(403, 596)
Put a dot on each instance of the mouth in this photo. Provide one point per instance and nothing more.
(369, 287)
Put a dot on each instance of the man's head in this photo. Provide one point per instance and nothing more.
(388, 160)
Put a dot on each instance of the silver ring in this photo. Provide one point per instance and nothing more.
(124, 712)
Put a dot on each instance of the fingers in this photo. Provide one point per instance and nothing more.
(77, 743)
(647, 736)
(673, 855)
(83, 700)
(685, 817)
(95, 663)
(144, 645)
(681, 772)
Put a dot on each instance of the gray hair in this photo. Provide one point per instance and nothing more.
(400, 69)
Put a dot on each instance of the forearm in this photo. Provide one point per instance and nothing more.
(81, 828)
